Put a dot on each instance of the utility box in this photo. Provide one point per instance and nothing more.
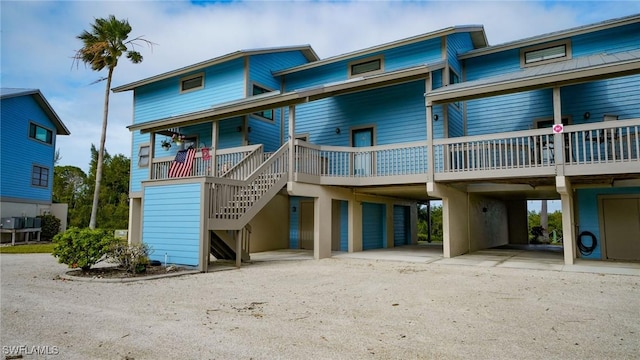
(12, 223)
(28, 223)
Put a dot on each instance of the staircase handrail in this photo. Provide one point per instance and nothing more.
(249, 162)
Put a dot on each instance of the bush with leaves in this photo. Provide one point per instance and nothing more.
(82, 248)
(132, 258)
(50, 226)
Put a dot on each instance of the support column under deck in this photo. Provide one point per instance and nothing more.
(322, 227)
(565, 189)
(355, 225)
(455, 218)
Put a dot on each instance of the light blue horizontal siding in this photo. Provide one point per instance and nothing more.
(514, 112)
(397, 58)
(457, 44)
(171, 223)
(20, 153)
(621, 38)
(261, 67)
(228, 134)
(588, 213)
(162, 99)
(492, 64)
(511, 112)
(138, 174)
(397, 112)
(373, 226)
(265, 132)
(618, 96)
(455, 120)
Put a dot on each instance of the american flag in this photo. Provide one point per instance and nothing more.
(181, 165)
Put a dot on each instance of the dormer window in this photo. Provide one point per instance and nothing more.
(544, 54)
(192, 82)
(367, 66)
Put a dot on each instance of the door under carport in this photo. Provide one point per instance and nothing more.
(620, 227)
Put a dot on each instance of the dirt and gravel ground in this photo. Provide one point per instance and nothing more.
(328, 309)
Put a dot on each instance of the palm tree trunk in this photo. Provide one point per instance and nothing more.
(103, 138)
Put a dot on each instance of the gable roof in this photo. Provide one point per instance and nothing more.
(7, 93)
(562, 73)
(558, 35)
(478, 37)
(306, 50)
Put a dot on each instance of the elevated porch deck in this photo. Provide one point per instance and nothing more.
(600, 149)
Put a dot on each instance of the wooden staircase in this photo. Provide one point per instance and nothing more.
(234, 202)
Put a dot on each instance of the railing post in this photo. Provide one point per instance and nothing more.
(214, 147)
(558, 139)
(430, 150)
(292, 131)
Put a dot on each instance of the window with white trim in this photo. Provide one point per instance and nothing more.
(143, 156)
(192, 82)
(257, 90)
(543, 54)
(367, 66)
(40, 176)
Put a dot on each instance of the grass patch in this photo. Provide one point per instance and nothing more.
(27, 249)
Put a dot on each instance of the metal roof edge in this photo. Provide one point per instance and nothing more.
(393, 44)
(307, 50)
(602, 25)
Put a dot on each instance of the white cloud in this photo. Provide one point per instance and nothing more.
(39, 39)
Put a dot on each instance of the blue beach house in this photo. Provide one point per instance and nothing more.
(292, 151)
(28, 130)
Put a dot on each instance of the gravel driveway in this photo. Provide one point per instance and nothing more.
(327, 309)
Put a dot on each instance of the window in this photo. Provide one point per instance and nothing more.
(548, 122)
(40, 176)
(143, 156)
(39, 133)
(193, 82)
(545, 54)
(454, 79)
(257, 90)
(369, 66)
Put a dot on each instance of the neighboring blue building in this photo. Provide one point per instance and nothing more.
(28, 132)
(334, 154)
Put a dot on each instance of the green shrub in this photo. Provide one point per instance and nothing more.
(132, 258)
(82, 248)
(50, 226)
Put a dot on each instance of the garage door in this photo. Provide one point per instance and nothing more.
(400, 225)
(621, 217)
(373, 229)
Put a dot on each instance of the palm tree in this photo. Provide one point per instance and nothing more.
(102, 47)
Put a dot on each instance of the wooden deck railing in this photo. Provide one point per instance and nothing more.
(228, 161)
(587, 149)
(612, 141)
(360, 162)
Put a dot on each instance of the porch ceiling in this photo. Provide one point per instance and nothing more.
(278, 100)
(574, 71)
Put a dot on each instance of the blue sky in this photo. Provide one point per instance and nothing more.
(38, 39)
